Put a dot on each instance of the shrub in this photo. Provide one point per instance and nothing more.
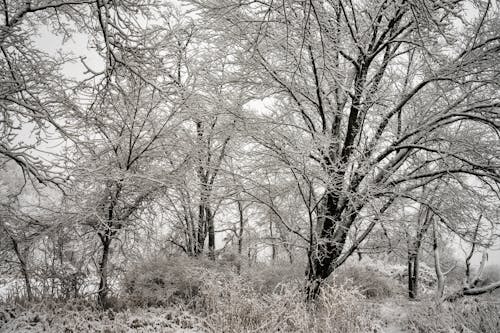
(427, 317)
(466, 315)
(370, 281)
(264, 299)
(162, 281)
(237, 308)
(266, 278)
(477, 316)
(64, 317)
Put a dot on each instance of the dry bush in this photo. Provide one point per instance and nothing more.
(163, 281)
(266, 278)
(427, 317)
(371, 282)
(264, 299)
(426, 276)
(477, 316)
(466, 315)
(70, 318)
(235, 307)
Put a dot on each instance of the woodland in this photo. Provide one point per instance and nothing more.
(249, 166)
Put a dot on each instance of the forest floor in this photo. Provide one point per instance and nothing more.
(392, 312)
(392, 315)
(175, 295)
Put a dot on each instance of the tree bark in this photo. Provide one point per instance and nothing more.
(102, 294)
(202, 229)
(240, 235)
(211, 233)
(424, 221)
(274, 249)
(24, 269)
(328, 249)
(413, 265)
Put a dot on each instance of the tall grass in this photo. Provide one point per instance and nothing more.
(256, 302)
(465, 315)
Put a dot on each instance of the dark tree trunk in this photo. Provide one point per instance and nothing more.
(333, 236)
(240, 236)
(211, 232)
(24, 269)
(202, 229)
(102, 294)
(289, 251)
(274, 250)
(413, 265)
(29, 290)
(424, 222)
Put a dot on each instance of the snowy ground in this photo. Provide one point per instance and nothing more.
(75, 318)
(73, 321)
(393, 313)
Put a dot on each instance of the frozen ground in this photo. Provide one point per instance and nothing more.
(73, 320)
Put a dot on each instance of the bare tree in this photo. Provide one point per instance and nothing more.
(471, 284)
(383, 95)
(124, 161)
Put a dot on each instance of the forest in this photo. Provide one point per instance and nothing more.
(250, 166)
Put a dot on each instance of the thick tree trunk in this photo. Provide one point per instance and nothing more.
(333, 236)
(326, 253)
(102, 294)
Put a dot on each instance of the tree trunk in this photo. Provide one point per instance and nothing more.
(437, 267)
(240, 236)
(413, 265)
(289, 251)
(211, 233)
(326, 253)
(103, 271)
(274, 250)
(333, 236)
(202, 229)
(24, 269)
(424, 221)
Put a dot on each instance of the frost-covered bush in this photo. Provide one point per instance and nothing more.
(426, 275)
(233, 306)
(466, 315)
(266, 278)
(67, 318)
(163, 280)
(263, 299)
(369, 279)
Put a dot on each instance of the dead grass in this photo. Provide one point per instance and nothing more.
(166, 294)
(465, 315)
